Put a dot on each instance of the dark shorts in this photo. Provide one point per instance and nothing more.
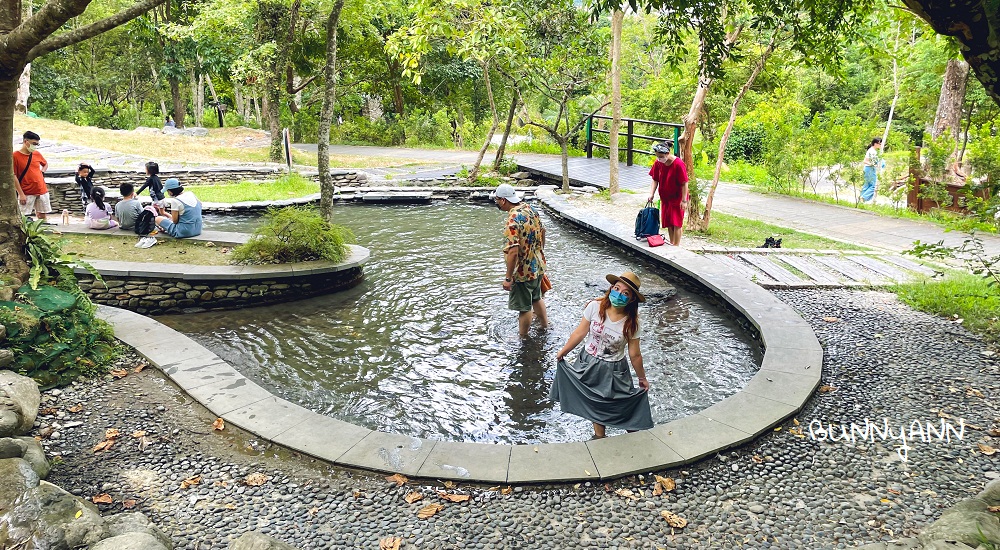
(522, 295)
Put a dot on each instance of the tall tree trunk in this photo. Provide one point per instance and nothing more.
(949, 109)
(272, 108)
(326, 187)
(965, 135)
(707, 216)
(159, 89)
(617, 18)
(690, 120)
(24, 83)
(256, 111)
(178, 101)
(474, 173)
(506, 132)
(241, 107)
(211, 88)
(564, 146)
(895, 98)
(12, 236)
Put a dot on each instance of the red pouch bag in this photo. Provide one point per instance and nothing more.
(655, 240)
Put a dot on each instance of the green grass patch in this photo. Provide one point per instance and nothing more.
(286, 187)
(733, 231)
(966, 296)
(121, 247)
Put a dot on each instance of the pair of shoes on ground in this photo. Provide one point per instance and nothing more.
(145, 242)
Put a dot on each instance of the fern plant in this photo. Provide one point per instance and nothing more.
(49, 264)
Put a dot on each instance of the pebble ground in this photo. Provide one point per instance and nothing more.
(784, 490)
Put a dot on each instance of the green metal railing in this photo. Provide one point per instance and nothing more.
(630, 136)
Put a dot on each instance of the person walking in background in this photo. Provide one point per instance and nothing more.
(184, 219)
(873, 161)
(670, 181)
(169, 122)
(85, 179)
(597, 385)
(153, 183)
(29, 169)
(98, 215)
(524, 256)
(128, 208)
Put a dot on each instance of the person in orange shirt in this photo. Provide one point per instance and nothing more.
(29, 166)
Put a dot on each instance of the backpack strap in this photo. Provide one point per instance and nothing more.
(26, 167)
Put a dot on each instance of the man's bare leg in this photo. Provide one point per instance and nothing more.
(539, 308)
(524, 323)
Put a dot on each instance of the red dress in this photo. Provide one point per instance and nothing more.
(670, 180)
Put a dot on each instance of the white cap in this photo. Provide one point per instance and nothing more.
(506, 191)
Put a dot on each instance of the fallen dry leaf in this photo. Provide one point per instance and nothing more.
(667, 483)
(128, 504)
(104, 445)
(626, 493)
(986, 449)
(76, 408)
(673, 519)
(757, 458)
(657, 490)
(102, 498)
(507, 490)
(410, 498)
(390, 543)
(452, 497)
(993, 509)
(973, 392)
(994, 432)
(111, 433)
(193, 480)
(139, 367)
(138, 434)
(894, 492)
(313, 511)
(398, 479)
(449, 484)
(255, 480)
(826, 389)
(830, 319)
(48, 411)
(144, 442)
(219, 424)
(429, 510)
(119, 373)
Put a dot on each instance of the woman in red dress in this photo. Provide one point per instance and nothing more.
(671, 180)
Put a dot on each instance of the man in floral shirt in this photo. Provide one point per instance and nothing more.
(524, 240)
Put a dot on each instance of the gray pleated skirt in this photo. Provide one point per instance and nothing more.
(602, 392)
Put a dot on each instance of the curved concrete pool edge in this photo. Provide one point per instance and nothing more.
(789, 373)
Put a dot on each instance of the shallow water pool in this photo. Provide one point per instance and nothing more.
(425, 346)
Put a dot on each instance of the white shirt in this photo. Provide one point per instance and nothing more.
(178, 203)
(605, 340)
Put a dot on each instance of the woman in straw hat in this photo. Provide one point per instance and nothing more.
(598, 385)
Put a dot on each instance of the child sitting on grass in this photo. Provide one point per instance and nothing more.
(99, 213)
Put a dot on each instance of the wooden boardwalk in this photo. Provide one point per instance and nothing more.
(594, 172)
(799, 268)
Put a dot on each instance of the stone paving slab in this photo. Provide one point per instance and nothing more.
(697, 436)
(787, 388)
(471, 462)
(552, 461)
(392, 453)
(749, 413)
(270, 417)
(198, 372)
(631, 453)
(225, 397)
(322, 437)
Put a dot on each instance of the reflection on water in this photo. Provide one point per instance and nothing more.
(425, 346)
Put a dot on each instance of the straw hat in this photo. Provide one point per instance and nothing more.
(630, 279)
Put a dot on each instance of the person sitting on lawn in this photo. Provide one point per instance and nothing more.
(184, 219)
(128, 208)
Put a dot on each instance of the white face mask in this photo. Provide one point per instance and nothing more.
(32, 147)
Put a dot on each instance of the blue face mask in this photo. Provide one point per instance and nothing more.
(617, 298)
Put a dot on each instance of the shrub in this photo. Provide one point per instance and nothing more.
(508, 165)
(294, 234)
(746, 143)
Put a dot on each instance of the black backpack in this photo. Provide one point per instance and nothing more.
(145, 222)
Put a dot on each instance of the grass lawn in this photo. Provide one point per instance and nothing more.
(733, 231)
(959, 296)
(122, 248)
(286, 187)
(232, 145)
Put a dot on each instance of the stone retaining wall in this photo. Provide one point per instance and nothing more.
(64, 193)
(156, 296)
